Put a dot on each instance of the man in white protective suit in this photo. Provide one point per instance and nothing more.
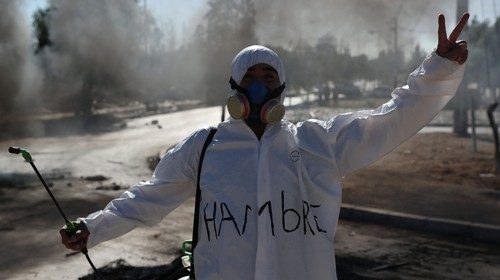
(270, 189)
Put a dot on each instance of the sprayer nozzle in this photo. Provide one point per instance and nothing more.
(26, 155)
(14, 150)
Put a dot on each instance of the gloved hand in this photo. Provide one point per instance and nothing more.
(75, 242)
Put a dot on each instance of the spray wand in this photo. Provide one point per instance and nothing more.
(71, 227)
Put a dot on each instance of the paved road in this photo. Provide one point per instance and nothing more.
(120, 155)
(449, 129)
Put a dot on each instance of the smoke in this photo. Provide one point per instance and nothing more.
(360, 25)
(19, 75)
(113, 50)
(99, 50)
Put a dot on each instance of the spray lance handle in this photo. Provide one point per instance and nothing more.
(71, 228)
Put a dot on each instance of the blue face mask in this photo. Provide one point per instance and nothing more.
(257, 93)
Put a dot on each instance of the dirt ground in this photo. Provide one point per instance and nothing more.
(31, 246)
(432, 174)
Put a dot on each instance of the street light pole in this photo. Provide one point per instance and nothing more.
(460, 100)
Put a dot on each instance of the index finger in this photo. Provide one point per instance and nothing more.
(442, 37)
(458, 29)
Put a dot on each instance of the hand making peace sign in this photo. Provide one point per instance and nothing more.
(449, 47)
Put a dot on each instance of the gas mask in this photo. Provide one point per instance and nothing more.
(256, 103)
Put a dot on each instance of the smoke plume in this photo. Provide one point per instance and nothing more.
(357, 24)
(99, 50)
(19, 75)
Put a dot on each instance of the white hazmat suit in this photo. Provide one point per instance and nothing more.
(269, 208)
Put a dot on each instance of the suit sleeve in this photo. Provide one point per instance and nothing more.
(355, 140)
(148, 202)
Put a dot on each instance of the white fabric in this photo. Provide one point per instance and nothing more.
(253, 55)
(276, 200)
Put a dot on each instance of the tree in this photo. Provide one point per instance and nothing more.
(228, 27)
(383, 66)
(40, 26)
(484, 53)
(484, 66)
(87, 61)
(326, 59)
(415, 60)
(19, 79)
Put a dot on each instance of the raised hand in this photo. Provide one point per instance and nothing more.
(449, 47)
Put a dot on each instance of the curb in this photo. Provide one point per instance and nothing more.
(476, 231)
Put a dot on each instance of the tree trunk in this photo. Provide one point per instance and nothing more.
(460, 100)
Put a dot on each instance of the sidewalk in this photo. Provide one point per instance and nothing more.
(432, 225)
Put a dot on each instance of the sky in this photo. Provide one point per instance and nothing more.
(185, 15)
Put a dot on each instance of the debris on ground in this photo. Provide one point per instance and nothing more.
(71, 254)
(95, 178)
(389, 266)
(113, 187)
(121, 270)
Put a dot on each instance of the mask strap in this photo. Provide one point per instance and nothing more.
(235, 86)
(277, 91)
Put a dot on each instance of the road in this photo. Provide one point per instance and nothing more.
(119, 155)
